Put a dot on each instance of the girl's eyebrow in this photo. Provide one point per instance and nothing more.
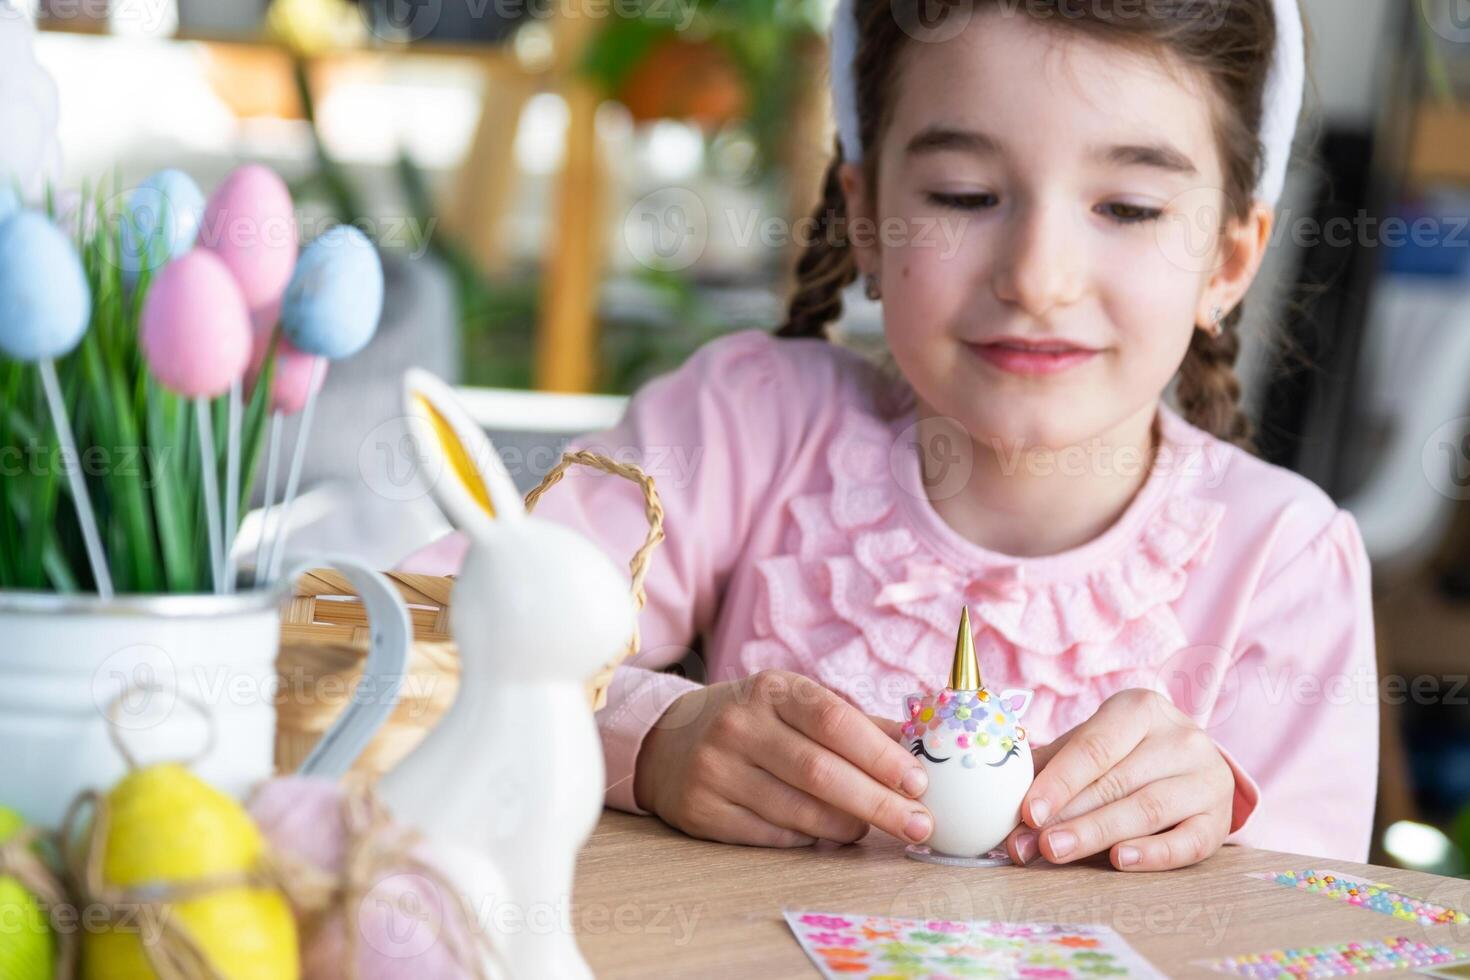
(1158, 156)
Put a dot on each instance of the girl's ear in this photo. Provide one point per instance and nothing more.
(1016, 701)
(464, 472)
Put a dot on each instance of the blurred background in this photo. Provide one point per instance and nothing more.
(573, 196)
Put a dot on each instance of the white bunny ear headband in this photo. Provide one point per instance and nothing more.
(1283, 99)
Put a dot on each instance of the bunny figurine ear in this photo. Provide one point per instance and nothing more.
(1017, 701)
(463, 470)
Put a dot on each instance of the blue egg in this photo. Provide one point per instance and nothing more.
(45, 302)
(335, 299)
(160, 222)
(9, 203)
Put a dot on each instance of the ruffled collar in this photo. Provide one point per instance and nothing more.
(872, 577)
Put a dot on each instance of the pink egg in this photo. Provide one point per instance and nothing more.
(263, 323)
(196, 331)
(293, 378)
(250, 224)
(408, 927)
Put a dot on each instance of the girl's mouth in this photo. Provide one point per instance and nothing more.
(1017, 355)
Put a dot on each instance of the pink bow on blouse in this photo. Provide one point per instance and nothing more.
(931, 579)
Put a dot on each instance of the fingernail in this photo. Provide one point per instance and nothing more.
(1026, 847)
(915, 781)
(1040, 810)
(918, 827)
(1127, 856)
(1062, 842)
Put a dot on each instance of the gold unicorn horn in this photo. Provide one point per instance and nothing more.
(964, 674)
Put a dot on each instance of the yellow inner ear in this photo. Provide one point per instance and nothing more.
(459, 459)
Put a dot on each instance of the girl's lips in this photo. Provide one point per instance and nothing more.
(1029, 357)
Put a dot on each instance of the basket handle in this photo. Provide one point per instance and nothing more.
(653, 510)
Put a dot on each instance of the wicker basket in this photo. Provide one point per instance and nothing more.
(324, 641)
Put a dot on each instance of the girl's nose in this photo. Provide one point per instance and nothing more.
(1040, 265)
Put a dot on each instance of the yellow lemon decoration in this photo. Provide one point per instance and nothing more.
(167, 830)
(26, 950)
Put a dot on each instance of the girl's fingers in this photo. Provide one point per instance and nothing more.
(1091, 749)
(794, 758)
(1151, 761)
(1021, 845)
(832, 723)
(734, 824)
(1156, 807)
(1189, 843)
(888, 726)
(786, 806)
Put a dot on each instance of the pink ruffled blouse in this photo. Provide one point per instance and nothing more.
(800, 537)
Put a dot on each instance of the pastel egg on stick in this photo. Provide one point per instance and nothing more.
(298, 377)
(250, 224)
(45, 306)
(196, 338)
(331, 310)
(160, 222)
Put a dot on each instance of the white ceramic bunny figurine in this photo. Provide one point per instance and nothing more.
(514, 770)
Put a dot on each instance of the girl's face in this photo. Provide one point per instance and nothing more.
(1048, 230)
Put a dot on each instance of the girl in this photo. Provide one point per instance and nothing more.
(1061, 207)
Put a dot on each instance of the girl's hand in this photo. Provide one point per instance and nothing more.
(777, 760)
(1138, 779)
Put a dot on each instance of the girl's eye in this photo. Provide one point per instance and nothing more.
(919, 750)
(1131, 214)
(962, 202)
(1015, 751)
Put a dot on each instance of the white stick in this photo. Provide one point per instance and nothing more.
(293, 479)
(90, 532)
(205, 424)
(232, 486)
(273, 452)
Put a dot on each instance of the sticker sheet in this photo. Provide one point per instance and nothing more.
(843, 945)
(1343, 959)
(1375, 896)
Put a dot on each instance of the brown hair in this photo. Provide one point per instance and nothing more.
(1229, 41)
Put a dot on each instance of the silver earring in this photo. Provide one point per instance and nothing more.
(1214, 328)
(870, 287)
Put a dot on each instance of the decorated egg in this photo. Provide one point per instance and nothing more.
(45, 302)
(292, 383)
(26, 948)
(335, 299)
(975, 753)
(160, 221)
(168, 828)
(408, 926)
(9, 203)
(195, 329)
(250, 224)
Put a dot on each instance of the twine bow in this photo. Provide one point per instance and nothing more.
(925, 579)
(19, 860)
(377, 848)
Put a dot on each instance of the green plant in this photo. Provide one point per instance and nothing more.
(135, 440)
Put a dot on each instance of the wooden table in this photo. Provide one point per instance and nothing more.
(651, 902)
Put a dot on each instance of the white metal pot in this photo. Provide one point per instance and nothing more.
(154, 664)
